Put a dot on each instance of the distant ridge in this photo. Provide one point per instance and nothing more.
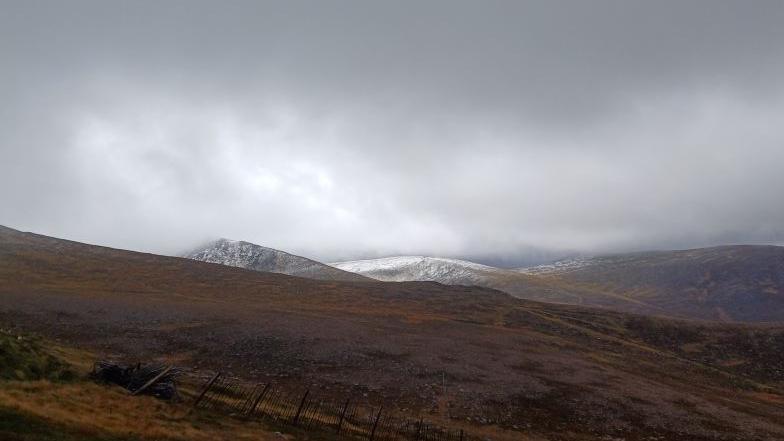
(731, 283)
(460, 272)
(258, 258)
(739, 283)
(420, 268)
(742, 283)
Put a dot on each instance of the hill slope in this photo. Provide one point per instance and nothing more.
(520, 284)
(738, 283)
(732, 283)
(506, 368)
(258, 258)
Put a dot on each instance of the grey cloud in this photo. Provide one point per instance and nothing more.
(348, 129)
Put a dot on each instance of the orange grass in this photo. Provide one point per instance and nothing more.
(98, 410)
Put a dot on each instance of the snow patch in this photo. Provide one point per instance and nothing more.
(420, 268)
(559, 267)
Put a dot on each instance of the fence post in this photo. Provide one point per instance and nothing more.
(375, 424)
(206, 388)
(342, 416)
(299, 410)
(258, 399)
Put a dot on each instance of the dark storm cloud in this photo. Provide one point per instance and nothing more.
(340, 129)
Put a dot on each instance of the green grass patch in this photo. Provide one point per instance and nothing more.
(24, 358)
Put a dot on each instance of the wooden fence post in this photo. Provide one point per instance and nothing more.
(299, 410)
(258, 400)
(375, 424)
(342, 416)
(319, 413)
(206, 388)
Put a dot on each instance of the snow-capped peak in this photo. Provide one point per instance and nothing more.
(419, 268)
(258, 258)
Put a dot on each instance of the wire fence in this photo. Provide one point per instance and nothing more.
(306, 411)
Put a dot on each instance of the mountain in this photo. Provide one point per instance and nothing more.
(258, 258)
(461, 272)
(735, 283)
(457, 272)
(505, 368)
(420, 268)
(731, 283)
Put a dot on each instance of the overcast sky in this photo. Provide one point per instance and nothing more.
(341, 130)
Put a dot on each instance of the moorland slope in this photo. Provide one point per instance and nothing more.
(497, 365)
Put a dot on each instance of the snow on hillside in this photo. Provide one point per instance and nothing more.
(559, 267)
(420, 268)
(258, 258)
(233, 253)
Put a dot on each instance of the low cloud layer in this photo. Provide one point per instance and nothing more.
(338, 130)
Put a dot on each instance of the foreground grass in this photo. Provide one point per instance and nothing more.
(45, 395)
(17, 426)
(102, 412)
